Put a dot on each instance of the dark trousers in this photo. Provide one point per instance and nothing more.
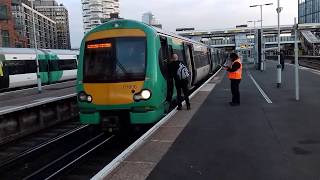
(182, 85)
(235, 90)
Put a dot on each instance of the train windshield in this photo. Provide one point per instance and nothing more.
(115, 60)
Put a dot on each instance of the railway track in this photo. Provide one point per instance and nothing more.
(56, 168)
(25, 162)
(310, 63)
(27, 144)
(77, 154)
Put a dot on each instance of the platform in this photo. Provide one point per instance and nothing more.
(267, 137)
(24, 98)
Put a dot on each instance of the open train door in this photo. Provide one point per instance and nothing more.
(189, 62)
(4, 76)
(164, 62)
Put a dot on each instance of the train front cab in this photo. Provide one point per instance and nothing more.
(119, 77)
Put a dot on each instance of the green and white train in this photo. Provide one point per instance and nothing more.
(123, 72)
(18, 66)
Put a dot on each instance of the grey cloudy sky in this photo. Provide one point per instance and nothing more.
(201, 14)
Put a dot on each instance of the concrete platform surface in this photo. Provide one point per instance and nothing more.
(257, 140)
(141, 162)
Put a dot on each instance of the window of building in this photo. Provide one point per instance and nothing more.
(3, 12)
(5, 38)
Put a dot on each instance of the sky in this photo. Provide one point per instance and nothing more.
(200, 14)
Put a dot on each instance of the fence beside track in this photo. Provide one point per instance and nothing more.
(23, 120)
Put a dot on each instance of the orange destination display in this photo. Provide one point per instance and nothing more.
(96, 46)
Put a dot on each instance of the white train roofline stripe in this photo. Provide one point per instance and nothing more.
(37, 103)
(120, 158)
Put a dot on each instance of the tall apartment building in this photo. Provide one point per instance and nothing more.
(59, 14)
(94, 12)
(16, 26)
(149, 18)
(309, 11)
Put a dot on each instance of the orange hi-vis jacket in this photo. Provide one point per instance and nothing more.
(238, 73)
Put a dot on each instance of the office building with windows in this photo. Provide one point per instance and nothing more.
(59, 14)
(95, 12)
(16, 26)
(309, 11)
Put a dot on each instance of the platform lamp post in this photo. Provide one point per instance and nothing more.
(262, 67)
(296, 59)
(279, 9)
(36, 48)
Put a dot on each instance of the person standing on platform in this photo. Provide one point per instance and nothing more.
(282, 60)
(235, 76)
(176, 70)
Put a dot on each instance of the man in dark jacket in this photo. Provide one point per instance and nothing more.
(181, 85)
(235, 76)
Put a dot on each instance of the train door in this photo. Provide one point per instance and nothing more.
(164, 58)
(189, 61)
(4, 76)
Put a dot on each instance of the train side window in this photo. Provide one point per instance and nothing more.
(197, 59)
(180, 55)
(187, 53)
(67, 64)
(30, 67)
(15, 67)
(170, 51)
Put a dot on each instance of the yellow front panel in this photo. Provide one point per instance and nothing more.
(113, 93)
(116, 33)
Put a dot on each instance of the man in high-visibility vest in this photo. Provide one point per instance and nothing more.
(235, 76)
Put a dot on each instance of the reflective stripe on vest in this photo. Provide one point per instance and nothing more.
(238, 73)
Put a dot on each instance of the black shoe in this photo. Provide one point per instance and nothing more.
(188, 107)
(179, 108)
(234, 104)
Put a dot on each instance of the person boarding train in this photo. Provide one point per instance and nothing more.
(180, 74)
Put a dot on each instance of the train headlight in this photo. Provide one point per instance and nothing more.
(145, 94)
(142, 95)
(89, 98)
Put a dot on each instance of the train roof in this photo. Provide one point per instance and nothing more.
(62, 51)
(19, 51)
(40, 51)
(157, 30)
(175, 35)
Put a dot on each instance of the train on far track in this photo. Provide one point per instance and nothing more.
(18, 66)
(123, 72)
